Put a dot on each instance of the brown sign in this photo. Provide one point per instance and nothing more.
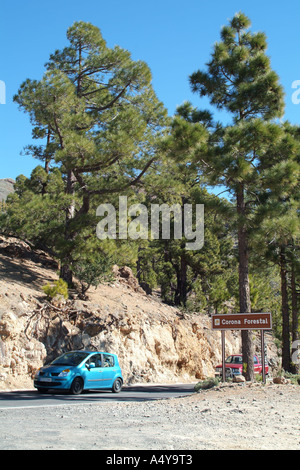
(242, 321)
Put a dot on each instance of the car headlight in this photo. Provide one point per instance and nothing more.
(64, 373)
(37, 372)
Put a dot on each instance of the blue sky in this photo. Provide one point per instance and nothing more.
(173, 37)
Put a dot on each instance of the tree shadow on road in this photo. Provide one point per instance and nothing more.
(138, 393)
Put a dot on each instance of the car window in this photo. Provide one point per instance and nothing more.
(108, 361)
(70, 359)
(96, 359)
(238, 360)
(255, 360)
(234, 360)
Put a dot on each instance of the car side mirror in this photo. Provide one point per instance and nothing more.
(92, 365)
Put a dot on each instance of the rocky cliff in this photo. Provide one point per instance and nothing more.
(155, 342)
(6, 187)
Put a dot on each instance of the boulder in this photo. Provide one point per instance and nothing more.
(239, 379)
(281, 380)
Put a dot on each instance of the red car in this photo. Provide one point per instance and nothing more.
(234, 366)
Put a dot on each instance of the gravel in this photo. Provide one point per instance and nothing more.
(235, 417)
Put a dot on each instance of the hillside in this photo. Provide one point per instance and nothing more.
(6, 187)
(155, 342)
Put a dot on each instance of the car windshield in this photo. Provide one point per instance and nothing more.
(234, 360)
(70, 359)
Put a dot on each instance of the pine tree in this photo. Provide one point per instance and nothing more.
(278, 224)
(239, 79)
(101, 118)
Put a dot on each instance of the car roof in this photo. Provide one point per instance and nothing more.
(91, 352)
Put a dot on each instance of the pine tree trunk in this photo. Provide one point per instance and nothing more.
(66, 273)
(66, 268)
(286, 358)
(181, 287)
(244, 287)
(47, 158)
(295, 321)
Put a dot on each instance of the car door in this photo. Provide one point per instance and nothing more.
(108, 370)
(94, 374)
(257, 367)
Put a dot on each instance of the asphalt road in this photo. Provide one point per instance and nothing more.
(134, 393)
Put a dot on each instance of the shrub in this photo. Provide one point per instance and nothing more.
(294, 378)
(59, 287)
(93, 271)
(206, 384)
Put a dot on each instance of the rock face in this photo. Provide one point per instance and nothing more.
(155, 342)
(6, 187)
(20, 356)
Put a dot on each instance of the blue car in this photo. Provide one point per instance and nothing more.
(76, 371)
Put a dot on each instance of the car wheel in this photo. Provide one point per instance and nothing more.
(117, 386)
(77, 386)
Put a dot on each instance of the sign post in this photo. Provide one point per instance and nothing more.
(262, 332)
(223, 356)
(243, 321)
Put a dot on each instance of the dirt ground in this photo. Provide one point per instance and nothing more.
(229, 417)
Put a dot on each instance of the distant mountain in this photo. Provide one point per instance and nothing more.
(6, 187)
